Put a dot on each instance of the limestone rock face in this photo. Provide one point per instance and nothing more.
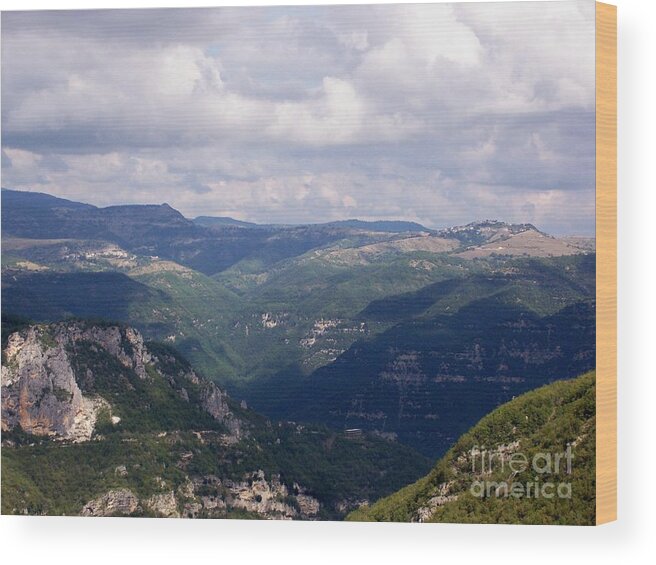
(119, 502)
(442, 496)
(211, 497)
(39, 391)
(124, 343)
(308, 505)
(164, 504)
(215, 402)
(269, 498)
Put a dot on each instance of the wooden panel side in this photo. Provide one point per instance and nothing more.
(606, 186)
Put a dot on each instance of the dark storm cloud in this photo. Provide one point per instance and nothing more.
(437, 113)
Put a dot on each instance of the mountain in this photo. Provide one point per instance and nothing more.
(486, 231)
(41, 216)
(164, 300)
(549, 433)
(495, 238)
(31, 214)
(412, 334)
(44, 296)
(151, 230)
(450, 353)
(220, 221)
(529, 243)
(37, 201)
(160, 231)
(147, 435)
(392, 226)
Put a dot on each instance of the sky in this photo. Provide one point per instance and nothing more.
(441, 113)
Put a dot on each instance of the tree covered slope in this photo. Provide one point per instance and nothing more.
(525, 478)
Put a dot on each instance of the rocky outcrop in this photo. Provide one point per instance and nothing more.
(39, 390)
(256, 494)
(211, 496)
(163, 504)
(119, 502)
(441, 496)
(124, 343)
(215, 402)
(42, 394)
(307, 505)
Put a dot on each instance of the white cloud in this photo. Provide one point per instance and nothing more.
(401, 110)
(433, 31)
(358, 40)
(335, 116)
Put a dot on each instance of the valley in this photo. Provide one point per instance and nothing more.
(408, 334)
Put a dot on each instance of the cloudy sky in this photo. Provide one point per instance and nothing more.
(442, 114)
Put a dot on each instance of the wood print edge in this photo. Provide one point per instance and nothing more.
(606, 241)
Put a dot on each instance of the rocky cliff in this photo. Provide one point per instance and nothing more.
(211, 497)
(47, 392)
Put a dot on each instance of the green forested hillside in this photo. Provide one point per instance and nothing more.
(537, 427)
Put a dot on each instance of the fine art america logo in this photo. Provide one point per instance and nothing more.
(545, 467)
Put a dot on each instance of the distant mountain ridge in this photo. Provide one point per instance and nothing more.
(39, 200)
(211, 245)
(39, 215)
(393, 226)
(476, 233)
(221, 221)
(41, 203)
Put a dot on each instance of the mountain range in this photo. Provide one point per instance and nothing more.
(389, 327)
